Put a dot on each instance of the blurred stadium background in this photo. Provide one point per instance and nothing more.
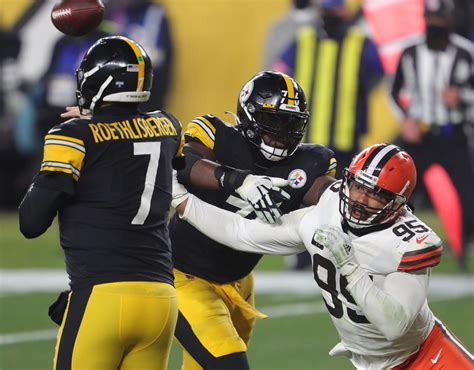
(217, 45)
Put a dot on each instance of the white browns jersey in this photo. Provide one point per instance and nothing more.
(407, 246)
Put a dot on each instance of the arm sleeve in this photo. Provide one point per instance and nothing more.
(38, 209)
(394, 307)
(243, 234)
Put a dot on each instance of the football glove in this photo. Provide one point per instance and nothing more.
(263, 193)
(339, 244)
(179, 193)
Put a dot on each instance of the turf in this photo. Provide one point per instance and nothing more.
(279, 343)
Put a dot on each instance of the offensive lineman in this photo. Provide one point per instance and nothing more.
(215, 284)
(109, 178)
(372, 264)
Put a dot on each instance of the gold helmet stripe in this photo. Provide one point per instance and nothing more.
(290, 88)
(141, 61)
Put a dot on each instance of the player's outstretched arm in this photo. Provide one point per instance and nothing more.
(237, 232)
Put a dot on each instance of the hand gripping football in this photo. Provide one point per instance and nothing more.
(77, 17)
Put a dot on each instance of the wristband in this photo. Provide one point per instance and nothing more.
(230, 178)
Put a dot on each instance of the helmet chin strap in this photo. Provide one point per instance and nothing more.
(273, 154)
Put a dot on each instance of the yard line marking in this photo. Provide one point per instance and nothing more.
(285, 282)
(27, 336)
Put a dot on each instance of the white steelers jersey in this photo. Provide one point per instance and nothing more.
(408, 245)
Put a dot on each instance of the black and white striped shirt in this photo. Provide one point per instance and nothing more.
(422, 75)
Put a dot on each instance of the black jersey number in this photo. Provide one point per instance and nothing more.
(329, 285)
(153, 149)
(409, 229)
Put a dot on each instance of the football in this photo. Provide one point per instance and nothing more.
(77, 17)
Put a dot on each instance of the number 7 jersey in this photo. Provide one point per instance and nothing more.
(116, 170)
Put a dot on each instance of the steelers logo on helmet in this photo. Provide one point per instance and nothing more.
(272, 114)
(297, 178)
(246, 91)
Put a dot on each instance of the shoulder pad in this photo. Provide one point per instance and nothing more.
(204, 128)
(75, 128)
(323, 158)
(176, 122)
(421, 251)
(331, 191)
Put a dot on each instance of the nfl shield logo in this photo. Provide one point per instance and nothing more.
(297, 178)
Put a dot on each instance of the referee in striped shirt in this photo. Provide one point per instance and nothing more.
(433, 87)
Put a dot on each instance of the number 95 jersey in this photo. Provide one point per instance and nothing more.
(407, 245)
(116, 169)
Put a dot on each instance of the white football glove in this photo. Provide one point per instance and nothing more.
(264, 195)
(339, 244)
(180, 193)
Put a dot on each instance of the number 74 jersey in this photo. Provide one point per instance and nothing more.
(406, 246)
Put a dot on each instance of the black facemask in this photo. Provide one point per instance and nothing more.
(437, 37)
(333, 25)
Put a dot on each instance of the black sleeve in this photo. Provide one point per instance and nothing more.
(38, 209)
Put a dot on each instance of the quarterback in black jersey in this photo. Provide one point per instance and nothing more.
(109, 179)
(215, 284)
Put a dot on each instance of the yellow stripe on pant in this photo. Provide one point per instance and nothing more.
(123, 325)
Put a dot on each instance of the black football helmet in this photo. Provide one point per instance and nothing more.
(272, 114)
(114, 69)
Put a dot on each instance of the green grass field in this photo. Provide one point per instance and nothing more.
(287, 341)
